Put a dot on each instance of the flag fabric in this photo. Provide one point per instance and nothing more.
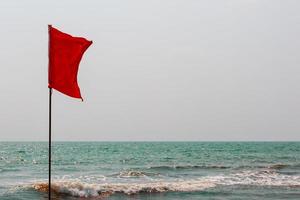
(65, 53)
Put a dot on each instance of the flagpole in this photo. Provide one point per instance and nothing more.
(49, 178)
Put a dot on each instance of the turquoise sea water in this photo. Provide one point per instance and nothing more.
(151, 170)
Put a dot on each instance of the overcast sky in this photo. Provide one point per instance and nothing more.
(157, 70)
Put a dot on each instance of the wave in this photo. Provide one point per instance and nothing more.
(81, 189)
(166, 167)
(278, 166)
(274, 166)
(132, 173)
(9, 170)
(258, 178)
(77, 188)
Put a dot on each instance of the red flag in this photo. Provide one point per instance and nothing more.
(65, 53)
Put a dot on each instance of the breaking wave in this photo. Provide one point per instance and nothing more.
(132, 173)
(257, 178)
(79, 188)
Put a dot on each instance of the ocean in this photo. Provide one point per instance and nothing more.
(151, 170)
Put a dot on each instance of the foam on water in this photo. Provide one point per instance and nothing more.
(79, 188)
(135, 173)
(257, 178)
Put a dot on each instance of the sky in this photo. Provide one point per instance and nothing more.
(171, 70)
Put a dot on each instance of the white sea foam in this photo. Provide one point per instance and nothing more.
(253, 178)
(127, 174)
(135, 173)
(258, 178)
(81, 189)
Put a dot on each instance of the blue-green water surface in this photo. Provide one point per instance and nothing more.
(151, 170)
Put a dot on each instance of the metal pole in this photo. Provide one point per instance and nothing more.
(49, 183)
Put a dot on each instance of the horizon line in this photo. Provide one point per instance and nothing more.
(152, 141)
